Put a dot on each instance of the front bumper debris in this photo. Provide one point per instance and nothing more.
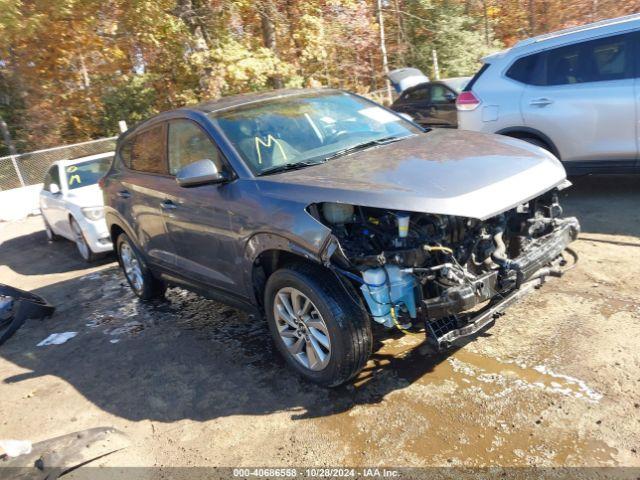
(16, 306)
(444, 316)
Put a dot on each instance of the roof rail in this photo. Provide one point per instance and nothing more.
(581, 28)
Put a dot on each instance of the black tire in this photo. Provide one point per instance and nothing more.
(148, 287)
(82, 245)
(347, 324)
(537, 142)
(52, 237)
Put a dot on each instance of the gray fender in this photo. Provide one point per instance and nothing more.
(262, 242)
(112, 218)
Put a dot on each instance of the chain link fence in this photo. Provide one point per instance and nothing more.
(30, 168)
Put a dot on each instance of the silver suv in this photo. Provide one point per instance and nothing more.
(572, 92)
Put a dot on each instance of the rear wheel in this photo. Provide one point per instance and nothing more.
(319, 330)
(81, 243)
(138, 275)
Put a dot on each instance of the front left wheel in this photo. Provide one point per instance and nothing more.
(316, 325)
(138, 275)
(84, 249)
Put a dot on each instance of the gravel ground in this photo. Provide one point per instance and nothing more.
(193, 382)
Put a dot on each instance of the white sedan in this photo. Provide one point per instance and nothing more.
(72, 206)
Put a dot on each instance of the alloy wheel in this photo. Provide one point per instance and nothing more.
(81, 243)
(302, 328)
(131, 266)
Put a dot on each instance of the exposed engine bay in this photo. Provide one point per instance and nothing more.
(451, 272)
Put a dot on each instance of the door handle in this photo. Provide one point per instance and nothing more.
(168, 205)
(124, 194)
(540, 102)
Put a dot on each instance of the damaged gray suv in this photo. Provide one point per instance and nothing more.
(325, 212)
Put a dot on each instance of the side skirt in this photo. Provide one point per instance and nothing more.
(207, 291)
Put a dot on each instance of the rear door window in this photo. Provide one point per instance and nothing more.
(564, 66)
(148, 151)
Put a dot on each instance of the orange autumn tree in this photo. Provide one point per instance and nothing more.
(70, 69)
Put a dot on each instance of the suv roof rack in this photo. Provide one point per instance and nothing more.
(581, 28)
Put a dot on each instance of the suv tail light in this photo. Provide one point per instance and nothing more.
(467, 101)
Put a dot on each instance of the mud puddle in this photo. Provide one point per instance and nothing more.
(464, 409)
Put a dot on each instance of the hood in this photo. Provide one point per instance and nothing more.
(447, 172)
(89, 196)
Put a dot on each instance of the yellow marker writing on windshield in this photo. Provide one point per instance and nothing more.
(74, 178)
(72, 169)
(270, 141)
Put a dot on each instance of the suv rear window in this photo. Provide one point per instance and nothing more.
(528, 70)
(475, 78)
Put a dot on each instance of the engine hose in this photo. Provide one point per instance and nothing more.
(406, 331)
(438, 248)
(348, 274)
(574, 254)
(556, 272)
(499, 255)
(347, 287)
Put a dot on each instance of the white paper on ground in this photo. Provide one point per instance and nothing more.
(15, 448)
(57, 338)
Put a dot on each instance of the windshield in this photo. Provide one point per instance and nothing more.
(306, 129)
(87, 173)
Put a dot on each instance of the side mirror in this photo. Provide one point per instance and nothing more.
(451, 97)
(54, 189)
(200, 173)
(406, 116)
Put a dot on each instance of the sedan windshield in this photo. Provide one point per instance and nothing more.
(87, 173)
(302, 130)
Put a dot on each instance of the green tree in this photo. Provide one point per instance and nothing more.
(459, 39)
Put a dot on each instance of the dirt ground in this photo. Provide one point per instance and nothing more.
(191, 382)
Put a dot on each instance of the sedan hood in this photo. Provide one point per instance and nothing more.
(443, 172)
(89, 196)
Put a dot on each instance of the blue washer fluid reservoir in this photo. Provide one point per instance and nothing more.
(384, 291)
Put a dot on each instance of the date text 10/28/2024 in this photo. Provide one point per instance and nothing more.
(316, 473)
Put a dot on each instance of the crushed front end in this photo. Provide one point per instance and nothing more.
(455, 274)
